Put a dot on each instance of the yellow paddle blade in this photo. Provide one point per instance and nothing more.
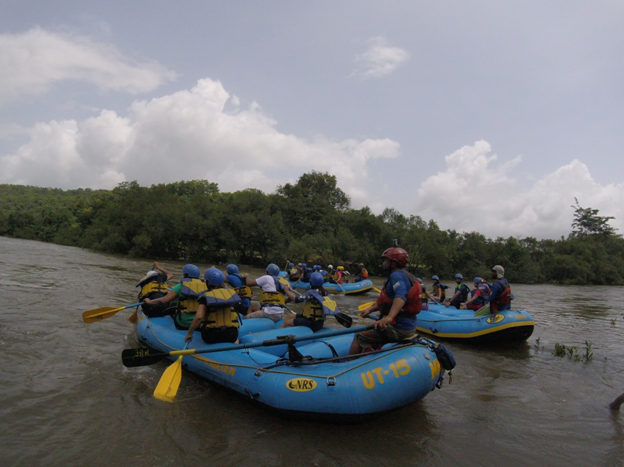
(376, 290)
(98, 314)
(364, 306)
(486, 310)
(134, 316)
(169, 382)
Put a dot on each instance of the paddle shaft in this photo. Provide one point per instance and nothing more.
(144, 356)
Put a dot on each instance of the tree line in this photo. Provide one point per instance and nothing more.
(310, 221)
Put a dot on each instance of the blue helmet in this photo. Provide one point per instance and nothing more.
(273, 269)
(304, 265)
(435, 278)
(291, 265)
(316, 279)
(191, 270)
(477, 280)
(459, 276)
(317, 267)
(213, 276)
(231, 269)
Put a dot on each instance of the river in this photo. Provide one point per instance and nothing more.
(67, 400)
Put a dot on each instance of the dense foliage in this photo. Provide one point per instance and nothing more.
(309, 221)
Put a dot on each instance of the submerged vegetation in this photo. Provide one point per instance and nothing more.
(308, 221)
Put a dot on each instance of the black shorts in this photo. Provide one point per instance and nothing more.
(217, 336)
(301, 321)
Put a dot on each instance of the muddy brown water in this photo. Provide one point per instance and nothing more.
(66, 399)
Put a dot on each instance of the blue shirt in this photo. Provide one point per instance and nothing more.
(398, 286)
(497, 290)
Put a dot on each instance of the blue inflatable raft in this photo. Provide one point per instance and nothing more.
(321, 385)
(451, 323)
(349, 288)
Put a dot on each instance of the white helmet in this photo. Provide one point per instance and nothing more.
(330, 267)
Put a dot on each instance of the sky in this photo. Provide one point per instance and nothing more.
(484, 116)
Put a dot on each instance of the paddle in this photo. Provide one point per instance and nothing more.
(486, 310)
(376, 290)
(105, 312)
(146, 356)
(364, 306)
(169, 383)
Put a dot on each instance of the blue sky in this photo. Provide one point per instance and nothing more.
(484, 116)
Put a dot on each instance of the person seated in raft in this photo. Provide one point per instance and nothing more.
(398, 303)
(306, 272)
(216, 316)
(425, 297)
(476, 300)
(330, 277)
(340, 275)
(275, 289)
(362, 275)
(187, 292)
(293, 272)
(239, 283)
(461, 293)
(317, 305)
(500, 298)
(439, 289)
(153, 285)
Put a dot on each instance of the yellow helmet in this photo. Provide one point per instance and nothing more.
(341, 268)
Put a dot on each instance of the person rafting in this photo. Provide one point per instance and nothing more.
(187, 291)
(153, 286)
(461, 293)
(439, 289)
(500, 298)
(398, 303)
(216, 316)
(425, 297)
(362, 275)
(318, 304)
(239, 283)
(275, 289)
(340, 275)
(476, 301)
(293, 272)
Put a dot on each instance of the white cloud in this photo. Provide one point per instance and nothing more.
(474, 194)
(379, 59)
(186, 136)
(33, 61)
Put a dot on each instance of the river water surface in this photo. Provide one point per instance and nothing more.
(67, 400)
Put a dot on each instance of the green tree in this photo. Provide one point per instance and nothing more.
(588, 222)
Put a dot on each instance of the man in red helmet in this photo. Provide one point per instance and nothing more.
(398, 304)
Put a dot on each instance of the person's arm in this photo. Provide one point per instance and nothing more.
(449, 300)
(290, 293)
(250, 282)
(166, 299)
(495, 291)
(164, 271)
(476, 295)
(199, 316)
(397, 306)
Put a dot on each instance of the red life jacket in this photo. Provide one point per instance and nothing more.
(504, 298)
(413, 304)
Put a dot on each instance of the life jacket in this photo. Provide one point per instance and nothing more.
(220, 309)
(191, 289)
(153, 290)
(276, 298)
(504, 298)
(413, 304)
(319, 307)
(243, 290)
(154, 287)
(293, 274)
(442, 288)
(363, 274)
(464, 290)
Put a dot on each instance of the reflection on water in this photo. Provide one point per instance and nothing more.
(66, 399)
